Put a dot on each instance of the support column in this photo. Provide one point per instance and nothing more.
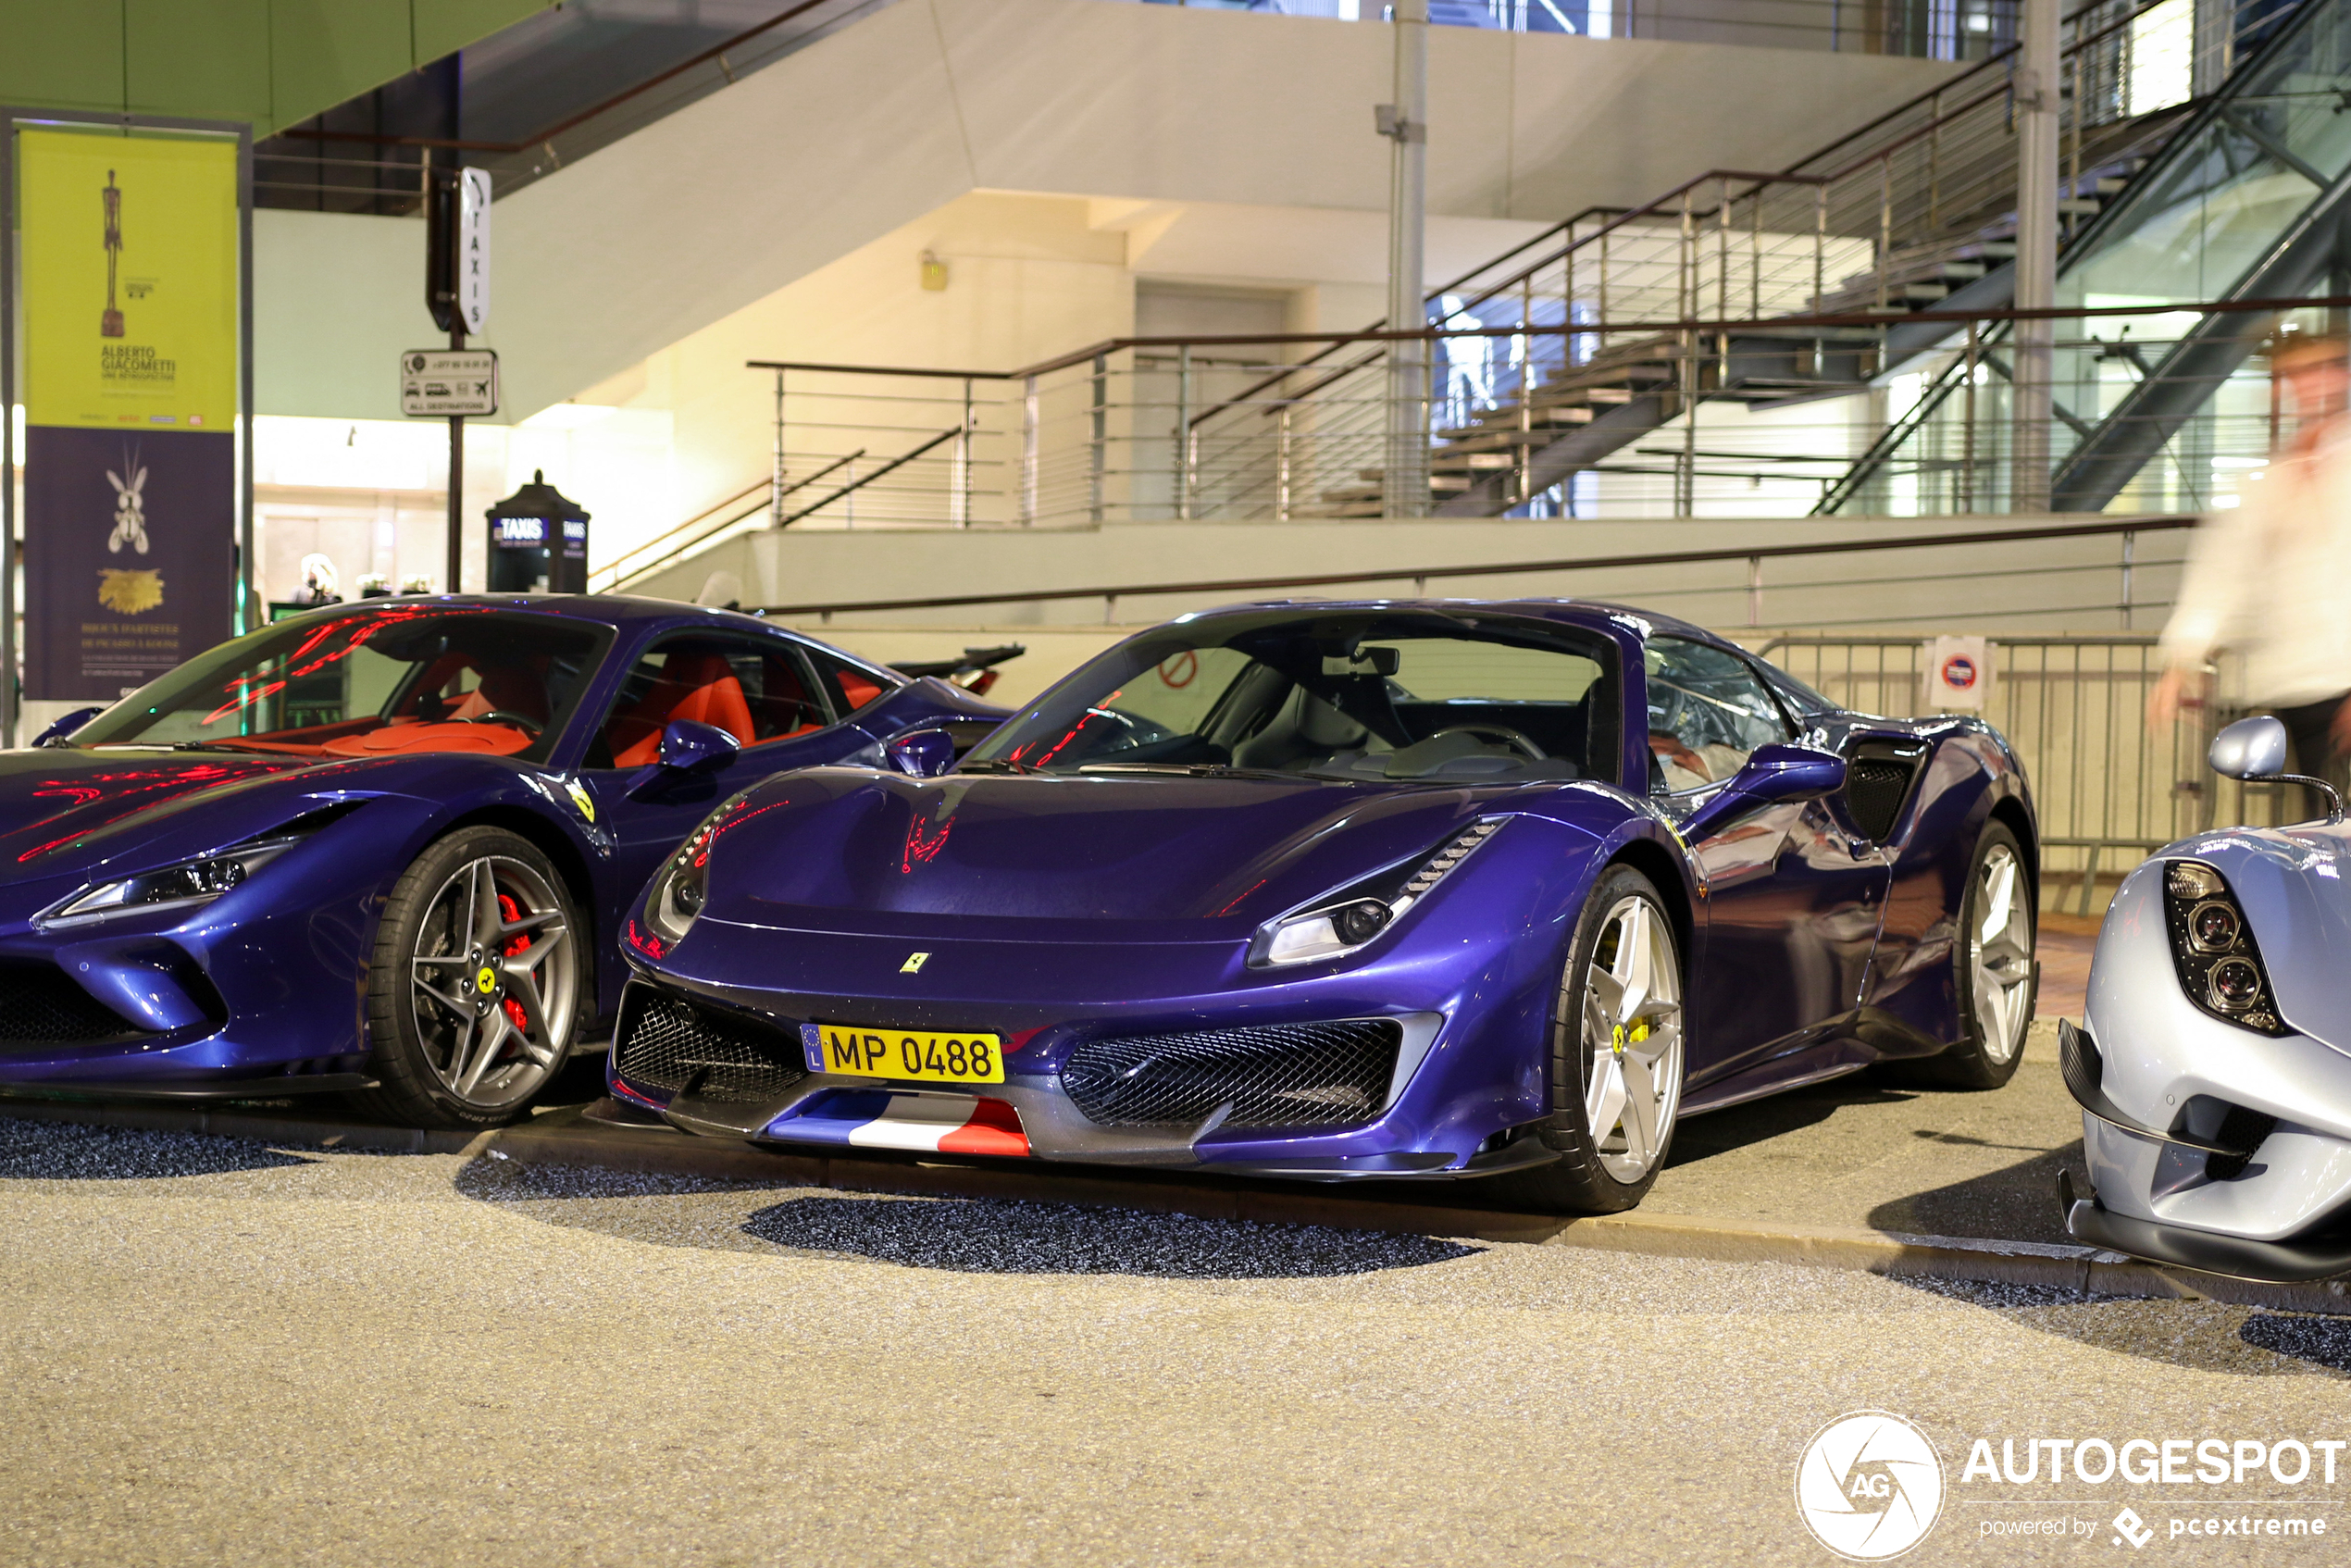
(2036, 236)
(1404, 476)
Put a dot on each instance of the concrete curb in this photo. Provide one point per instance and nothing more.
(566, 1137)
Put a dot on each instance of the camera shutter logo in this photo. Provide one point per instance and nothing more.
(1869, 1486)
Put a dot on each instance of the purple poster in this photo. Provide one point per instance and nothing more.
(128, 564)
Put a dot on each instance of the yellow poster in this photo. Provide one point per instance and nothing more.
(130, 293)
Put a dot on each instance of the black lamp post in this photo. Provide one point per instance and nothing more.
(538, 541)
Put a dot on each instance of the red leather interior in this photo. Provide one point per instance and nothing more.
(856, 689)
(701, 687)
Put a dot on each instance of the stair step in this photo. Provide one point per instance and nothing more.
(2083, 205)
(1373, 485)
(1448, 463)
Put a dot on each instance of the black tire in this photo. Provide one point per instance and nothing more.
(1589, 1177)
(479, 932)
(1977, 1060)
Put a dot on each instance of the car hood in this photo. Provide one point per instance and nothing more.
(63, 807)
(830, 845)
(2294, 887)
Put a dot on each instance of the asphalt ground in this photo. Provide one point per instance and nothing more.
(218, 1352)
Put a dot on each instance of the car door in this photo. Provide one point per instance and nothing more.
(1793, 899)
(760, 690)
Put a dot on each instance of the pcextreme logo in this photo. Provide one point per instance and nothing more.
(1869, 1486)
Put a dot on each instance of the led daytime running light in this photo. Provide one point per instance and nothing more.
(1355, 919)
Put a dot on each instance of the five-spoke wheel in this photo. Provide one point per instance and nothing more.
(1991, 960)
(474, 995)
(1616, 1053)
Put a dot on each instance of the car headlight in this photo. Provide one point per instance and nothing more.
(674, 900)
(1350, 919)
(2213, 949)
(190, 883)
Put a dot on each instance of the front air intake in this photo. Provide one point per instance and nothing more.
(41, 1005)
(664, 1043)
(1271, 1076)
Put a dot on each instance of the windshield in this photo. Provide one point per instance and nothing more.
(415, 678)
(1409, 695)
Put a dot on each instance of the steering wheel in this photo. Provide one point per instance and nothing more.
(531, 727)
(1500, 732)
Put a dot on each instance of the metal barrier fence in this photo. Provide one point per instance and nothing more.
(2108, 786)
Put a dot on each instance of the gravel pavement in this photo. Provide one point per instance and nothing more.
(218, 1352)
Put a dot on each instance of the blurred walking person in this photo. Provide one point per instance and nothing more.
(2270, 579)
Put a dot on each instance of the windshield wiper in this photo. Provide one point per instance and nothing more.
(998, 765)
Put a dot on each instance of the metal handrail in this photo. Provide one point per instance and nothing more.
(2150, 524)
(1581, 328)
(855, 485)
(1755, 182)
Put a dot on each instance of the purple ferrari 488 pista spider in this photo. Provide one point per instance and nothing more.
(1326, 890)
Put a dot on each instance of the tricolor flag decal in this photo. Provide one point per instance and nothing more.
(862, 1118)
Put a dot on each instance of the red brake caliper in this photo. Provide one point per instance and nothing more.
(509, 911)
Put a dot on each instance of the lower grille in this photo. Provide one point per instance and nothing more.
(1874, 791)
(40, 1005)
(1272, 1075)
(672, 1045)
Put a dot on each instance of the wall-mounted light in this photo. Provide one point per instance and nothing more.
(934, 272)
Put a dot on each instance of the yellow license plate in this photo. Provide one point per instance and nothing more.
(915, 1054)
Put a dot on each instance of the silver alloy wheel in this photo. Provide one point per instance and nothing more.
(2000, 954)
(493, 943)
(1633, 1034)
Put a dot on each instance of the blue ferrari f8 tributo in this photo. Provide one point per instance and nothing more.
(1327, 890)
(387, 847)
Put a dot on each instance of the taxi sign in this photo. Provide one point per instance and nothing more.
(438, 383)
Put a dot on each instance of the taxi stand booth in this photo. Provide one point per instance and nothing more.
(537, 539)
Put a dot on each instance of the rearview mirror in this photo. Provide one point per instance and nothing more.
(920, 753)
(2251, 748)
(688, 746)
(1788, 773)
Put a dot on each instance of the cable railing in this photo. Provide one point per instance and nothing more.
(1688, 416)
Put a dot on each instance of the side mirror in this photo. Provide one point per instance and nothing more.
(2251, 748)
(2254, 750)
(1788, 773)
(687, 746)
(920, 753)
(64, 727)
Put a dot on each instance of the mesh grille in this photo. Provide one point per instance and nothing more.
(40, 1005)
(1874, 788)
(1273, 1076)
(671, 1045)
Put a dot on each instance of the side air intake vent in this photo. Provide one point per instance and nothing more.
(1878, 774)
(679, 1048)
(1272, 1075)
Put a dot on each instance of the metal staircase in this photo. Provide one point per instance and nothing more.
(2247, 201)
(1912, 212)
